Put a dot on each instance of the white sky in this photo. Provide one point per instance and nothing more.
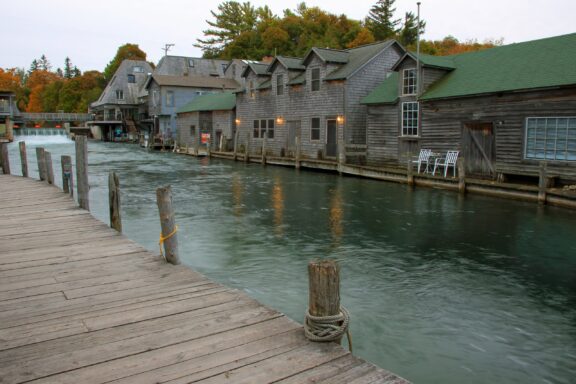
(90, 32)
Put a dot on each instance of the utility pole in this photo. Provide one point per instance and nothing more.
(418, 87)
(167, 48)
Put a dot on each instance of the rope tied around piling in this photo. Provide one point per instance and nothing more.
(164, 238)
(328, 328)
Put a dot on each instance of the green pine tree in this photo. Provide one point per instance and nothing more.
(380, 20)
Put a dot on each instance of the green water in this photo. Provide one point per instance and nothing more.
(442, 289)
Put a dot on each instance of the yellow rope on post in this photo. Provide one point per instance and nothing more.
(164, 238)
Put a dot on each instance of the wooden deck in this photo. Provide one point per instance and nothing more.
(80, 303)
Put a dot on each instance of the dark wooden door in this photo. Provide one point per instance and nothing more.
(293, 131)
(331, 138)
(478, 149)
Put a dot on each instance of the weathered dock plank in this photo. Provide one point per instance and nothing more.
(81, 303)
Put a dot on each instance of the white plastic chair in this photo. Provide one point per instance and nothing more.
(423, 158)
(448, 161)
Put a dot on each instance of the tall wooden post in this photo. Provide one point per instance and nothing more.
(114, 201)
(236, 136)
(67, 183)
(324, 311)
(42, 172)
(461, 175)
(247, 151)
(542, 183)
(297, 160)
(23, 158)
(168, 235)
(49, 167)
(82, 171)
(5, 158)
(264, 149)
(409, 171)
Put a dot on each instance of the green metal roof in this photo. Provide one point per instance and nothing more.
(211, 102)
(265, 85)
(300, 79)
(257, 67)
(331, 55)
(387, 92)
(534, 64)
(357, 57)
(292, 63)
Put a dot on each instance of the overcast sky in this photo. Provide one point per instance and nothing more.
(90, 32)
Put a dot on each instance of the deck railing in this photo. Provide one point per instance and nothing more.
(56, 116)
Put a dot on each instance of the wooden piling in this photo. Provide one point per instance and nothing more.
(42, 172)
(168, 234)
(461, 175)
(82, 171)
(297, 159)
(49, 168)
(236, 136)
(5, 158)
(114, 201)
(409, 171)
(23, 158)
(324, 301)
(67, 182)
(264, 149)
(247, 151)
(542, 183)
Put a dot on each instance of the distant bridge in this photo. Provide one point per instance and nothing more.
(56, 116)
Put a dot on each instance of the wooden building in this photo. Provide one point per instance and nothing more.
(506, 109)
(315, 99)
(9, 115)
(208, 120)
(118, 112)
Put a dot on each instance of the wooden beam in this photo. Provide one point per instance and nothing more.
(82, 172)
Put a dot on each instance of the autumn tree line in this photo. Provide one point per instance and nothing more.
(238, 30)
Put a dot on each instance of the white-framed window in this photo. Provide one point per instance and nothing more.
(169, 98)
(410, 111)
(137, 69)
(191, 63)
(279, 84)
(315, 129)
(131, 79)
(262, 126)
(315, 83)
(155, 97)
(251, 89)
(550, 138)
(119, 94)
(409, 81)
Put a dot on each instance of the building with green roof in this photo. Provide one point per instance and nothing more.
(506, 109)
(315, 98)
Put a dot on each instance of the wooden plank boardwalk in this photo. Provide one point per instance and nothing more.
(80, 303)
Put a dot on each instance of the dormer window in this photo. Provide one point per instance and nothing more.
(131, 79)
(279, 84)
(251, 89)
(137, 69)
(315, 83)
(409, 81)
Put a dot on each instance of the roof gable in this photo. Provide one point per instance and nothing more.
(259, 69)
(290, 63)
(358, 57)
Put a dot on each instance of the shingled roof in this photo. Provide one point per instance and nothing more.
(196, 81)
(224, 101)
(131, 91)
(537, 64)
(290, 63)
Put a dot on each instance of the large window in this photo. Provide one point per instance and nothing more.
(410, 118)
(137, 69)
(131, 79)
(409, 81)
(170, 98)
(280, 84)
(119, 94)
(551, 138)
(263, 125)
(315, 129)
(315, 84)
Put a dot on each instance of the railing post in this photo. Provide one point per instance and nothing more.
(325, 320)
(49, 167)
(82, 171)
(168, 234)
(5, 158)
(23, 158)
(42, 172)
(114, 201)
(67, 183)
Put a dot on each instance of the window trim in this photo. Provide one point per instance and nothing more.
(413, 86)
(263, 127)
(119, 94)
(404, 129)
(315, 81)
(171, 99)
(567, 139)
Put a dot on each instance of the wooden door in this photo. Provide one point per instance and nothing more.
(331, 138)
(478, 149)
(293, 131)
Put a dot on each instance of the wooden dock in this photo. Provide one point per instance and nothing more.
(80, 303)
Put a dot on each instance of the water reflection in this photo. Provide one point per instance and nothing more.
(336, 215)
(278, 206)
(237, 193)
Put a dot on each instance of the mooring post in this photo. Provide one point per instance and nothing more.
(409, 171)
(297, 159)
(168, 234)
(263, 149)
(461, 175)
(247, 151)
(236, 136)
(325, 320)
(542, 183)
(5, 158)
(114, 201)
(23, 158)
(67, 183)
(49, 168)
(42, 172)
(82, 171)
